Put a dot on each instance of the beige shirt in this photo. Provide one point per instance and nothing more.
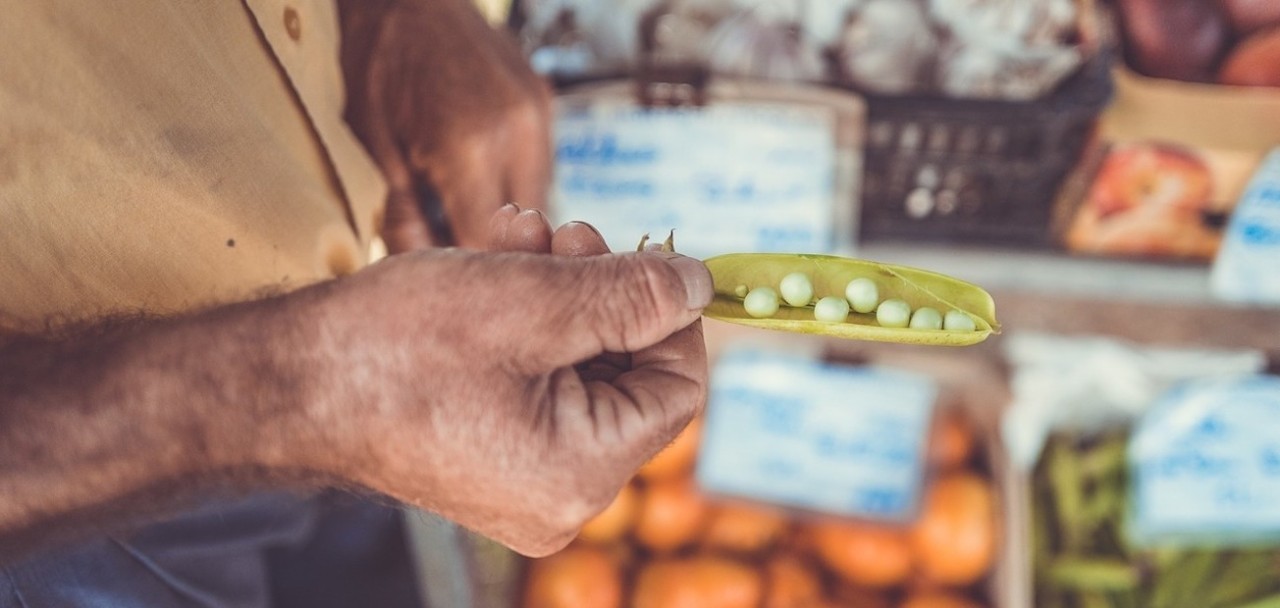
(159, 156)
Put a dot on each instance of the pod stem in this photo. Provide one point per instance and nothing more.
(668, 245)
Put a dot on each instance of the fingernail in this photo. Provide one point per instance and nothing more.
(698, 288)
(588, 227)
(538, 214)
(509, 208)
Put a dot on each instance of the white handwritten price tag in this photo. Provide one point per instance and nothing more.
(1206, 464)
(1245, 268)
(728, 178)
(794, 431)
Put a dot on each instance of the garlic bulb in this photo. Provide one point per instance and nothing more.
(887, 46)
(747, 45)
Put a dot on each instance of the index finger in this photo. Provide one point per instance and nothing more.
(578, 239)
(666, 384)
(664, 390)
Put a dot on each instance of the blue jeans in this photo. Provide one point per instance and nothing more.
(264, 551)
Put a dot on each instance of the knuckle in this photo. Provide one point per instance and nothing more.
(546, 546)
(563, 523)
(634, 309)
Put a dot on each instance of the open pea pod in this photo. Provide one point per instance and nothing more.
(830, 275)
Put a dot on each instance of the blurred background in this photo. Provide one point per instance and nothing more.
(1108, 170)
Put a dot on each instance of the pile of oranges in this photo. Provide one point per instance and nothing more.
(662, 544)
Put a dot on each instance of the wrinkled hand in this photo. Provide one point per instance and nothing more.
(450, 111)
(482, 386)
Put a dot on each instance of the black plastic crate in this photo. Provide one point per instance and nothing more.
(975, 171)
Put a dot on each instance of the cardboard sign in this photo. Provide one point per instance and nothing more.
(1246, 267)
(727, 178)
(803, 433)
(1206, 464)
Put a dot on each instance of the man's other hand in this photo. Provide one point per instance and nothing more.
(450, 111)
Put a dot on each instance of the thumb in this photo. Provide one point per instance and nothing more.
(625, 303)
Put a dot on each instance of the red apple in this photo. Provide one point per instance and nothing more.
(1247, 16)
(1176, 39)
(1255, 62)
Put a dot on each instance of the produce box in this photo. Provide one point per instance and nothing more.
(1143, 475)
(1177, 147)
(669, 541)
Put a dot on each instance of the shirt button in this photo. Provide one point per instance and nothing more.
(292, 23)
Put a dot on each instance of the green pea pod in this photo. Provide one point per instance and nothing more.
(1105, 459)
(1090, 599)
(1068, 492)
(830, 275)
(1093, 574)
(1186, 581)
(1245, 575)
(1266, 602)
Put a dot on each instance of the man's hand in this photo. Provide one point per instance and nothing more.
(513, 393)
(450, 111)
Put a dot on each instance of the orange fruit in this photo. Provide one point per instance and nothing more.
(702, 581)
(676, 458)
(938, 599)
(954, 539)
(872, 556)
(616, 519)
(743, 528)
(848, 596)
(577, 577)
(671, 514)
(951, 440)
(790, 583)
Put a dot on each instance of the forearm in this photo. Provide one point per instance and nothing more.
(101, 428)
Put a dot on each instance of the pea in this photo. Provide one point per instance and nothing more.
(863, 294)
(926, 318)
(831, 276)
(893, 313)
(831, 309)
(958, 321)
(761, 302)
(796, 289)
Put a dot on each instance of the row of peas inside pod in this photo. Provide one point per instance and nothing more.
(662, 544)
(860, 295)
(849, 298)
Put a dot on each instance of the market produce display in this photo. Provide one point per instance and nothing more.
(662, 544)
(1084, 559)
(973, 49)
